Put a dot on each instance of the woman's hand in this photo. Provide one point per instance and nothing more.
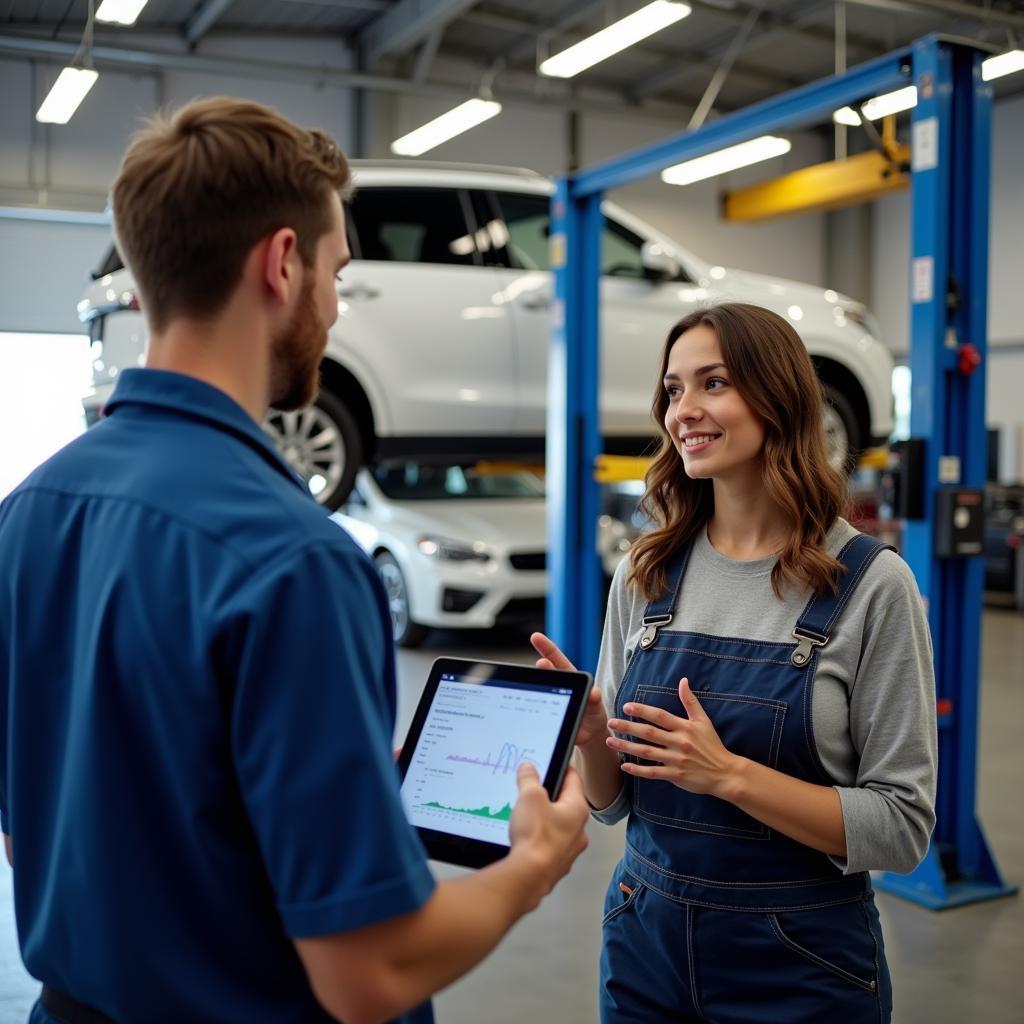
(687, 751)
(595, 720)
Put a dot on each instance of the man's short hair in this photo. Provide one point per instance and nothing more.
(196, 191)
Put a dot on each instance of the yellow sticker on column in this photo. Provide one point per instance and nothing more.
(556, 250)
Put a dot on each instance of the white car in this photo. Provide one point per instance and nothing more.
(441, 343)
(460, 546)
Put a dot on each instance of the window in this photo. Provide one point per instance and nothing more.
(528, 232)
(621, 254)
(45, 376)
(416, 481)
(411, 225)
(526, 218)
(112, 263)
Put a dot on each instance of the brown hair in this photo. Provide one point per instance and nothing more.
(770, 368)
(198, 190)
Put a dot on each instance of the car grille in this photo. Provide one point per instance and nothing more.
(522, 609)
(453, 600)
(529, 561)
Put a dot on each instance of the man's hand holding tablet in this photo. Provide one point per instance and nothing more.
(416, 954)
(477, 724)
(545, 833)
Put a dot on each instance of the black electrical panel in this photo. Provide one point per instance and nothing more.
(959, 522)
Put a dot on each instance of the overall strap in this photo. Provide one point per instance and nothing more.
(660, 611)
(814, 627)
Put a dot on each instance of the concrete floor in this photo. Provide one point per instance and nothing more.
(959, 965)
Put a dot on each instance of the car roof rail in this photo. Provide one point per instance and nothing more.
(442, 165)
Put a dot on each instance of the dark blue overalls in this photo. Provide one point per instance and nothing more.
(728, 921)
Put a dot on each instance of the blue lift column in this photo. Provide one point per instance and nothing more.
(951, 146)
(576, 590)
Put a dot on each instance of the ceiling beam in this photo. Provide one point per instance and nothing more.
(203, 18)
(577, 12)
(754, 76)
(957, 9)
(593, 101)
(770, 28)
(407, 24)
(155, 60)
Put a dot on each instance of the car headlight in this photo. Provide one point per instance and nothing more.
(452, 550)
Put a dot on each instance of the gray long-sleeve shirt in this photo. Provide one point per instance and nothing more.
(874, 689)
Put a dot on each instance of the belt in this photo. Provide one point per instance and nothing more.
(69, 1010)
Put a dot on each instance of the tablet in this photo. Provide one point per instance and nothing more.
(475, 723)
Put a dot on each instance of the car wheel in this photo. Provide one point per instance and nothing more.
(842, 432)
(407, 633)
(322, 444)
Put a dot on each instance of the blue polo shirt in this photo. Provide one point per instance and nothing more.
(196, 714)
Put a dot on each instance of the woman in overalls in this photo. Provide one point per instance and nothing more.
(770, 723)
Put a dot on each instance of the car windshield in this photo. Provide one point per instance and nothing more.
(414, 481)
(111, 263)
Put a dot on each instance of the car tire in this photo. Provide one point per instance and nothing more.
(406, 632)
(842, 431)
(322, 443)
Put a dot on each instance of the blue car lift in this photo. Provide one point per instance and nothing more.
(951, 145)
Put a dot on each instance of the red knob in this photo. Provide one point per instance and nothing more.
(968, 359)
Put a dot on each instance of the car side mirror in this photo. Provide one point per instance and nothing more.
(658, 263)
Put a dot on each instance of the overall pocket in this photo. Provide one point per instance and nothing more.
(616, 900)
(748, 726)
(836, 939)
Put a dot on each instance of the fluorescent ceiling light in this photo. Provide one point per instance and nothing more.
(456, 121)
(729, 159)
(1002, 64)
(68, 91)
(596, 48)
(120, 12)
(880, 106)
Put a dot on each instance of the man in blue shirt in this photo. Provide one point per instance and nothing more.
(196, 784)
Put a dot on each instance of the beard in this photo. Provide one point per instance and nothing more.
(296, 353)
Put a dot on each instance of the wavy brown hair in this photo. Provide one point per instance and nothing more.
(770, 368)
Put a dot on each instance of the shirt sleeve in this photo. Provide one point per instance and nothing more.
(611, 667)
(311, 721)
(890, 812)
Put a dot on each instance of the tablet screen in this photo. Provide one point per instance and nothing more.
(476, 723)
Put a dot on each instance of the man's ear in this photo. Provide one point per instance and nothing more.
(280, 269)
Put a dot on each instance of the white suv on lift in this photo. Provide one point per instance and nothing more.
(441, 343)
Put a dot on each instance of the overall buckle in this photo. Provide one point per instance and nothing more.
(651, 625)
(806, 642)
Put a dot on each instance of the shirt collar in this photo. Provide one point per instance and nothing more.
(195, 399)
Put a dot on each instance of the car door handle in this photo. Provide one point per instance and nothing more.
(358, 290)
(535, 301)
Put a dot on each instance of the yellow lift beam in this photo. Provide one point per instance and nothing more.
(609, 469)
(829, 186)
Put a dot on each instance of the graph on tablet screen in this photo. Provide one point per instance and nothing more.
(462, 776)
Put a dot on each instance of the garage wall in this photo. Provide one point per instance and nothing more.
(71, 166)
(44, 276)
(890, 273)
